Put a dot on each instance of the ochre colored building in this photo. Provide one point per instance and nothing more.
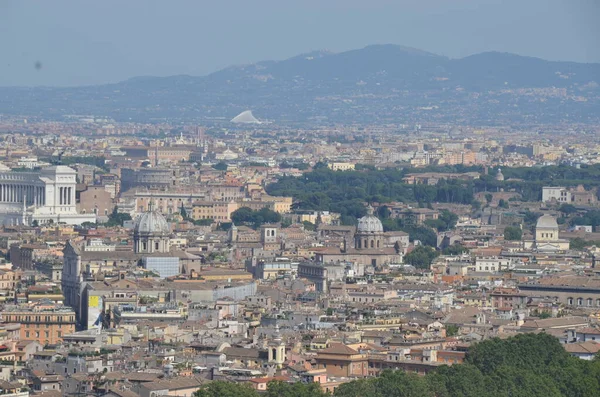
(44, 324)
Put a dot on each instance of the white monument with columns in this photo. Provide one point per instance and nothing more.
(45, 196)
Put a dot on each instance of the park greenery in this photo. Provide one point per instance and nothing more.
(249, 217)
(117, 218)
(579, 243)
(346, 191)
(421, 257)
(220, 166)
(513, 233)
(527, 365)
(590, 218)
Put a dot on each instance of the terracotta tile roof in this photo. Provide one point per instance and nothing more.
(338, 348)
(583, 347)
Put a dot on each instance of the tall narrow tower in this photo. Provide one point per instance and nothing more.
(277, 349)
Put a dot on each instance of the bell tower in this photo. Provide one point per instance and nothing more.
(276, 349)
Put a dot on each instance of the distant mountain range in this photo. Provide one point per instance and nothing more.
(378, 83)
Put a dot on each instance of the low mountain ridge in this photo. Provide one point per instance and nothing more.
(379, 82)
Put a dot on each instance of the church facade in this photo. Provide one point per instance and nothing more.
(369, 246)
(546, 236)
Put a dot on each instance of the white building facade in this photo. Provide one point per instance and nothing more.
(45, 196)
(560, 194)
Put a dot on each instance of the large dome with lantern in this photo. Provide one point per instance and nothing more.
(369, 223)
(152, 222)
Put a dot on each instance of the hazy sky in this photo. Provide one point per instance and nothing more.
(89, 42)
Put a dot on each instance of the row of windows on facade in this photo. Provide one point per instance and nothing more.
(366, 244)
(38, 319)
(396, 357)
(156, 245)
(95, 211)
(46, 334)
(580, 301)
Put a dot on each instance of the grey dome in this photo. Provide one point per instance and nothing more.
(546, 222)
(152, 222)
(369, 223)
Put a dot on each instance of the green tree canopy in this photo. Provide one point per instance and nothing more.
(513, 233)
(225, 389)
(528, 365)
(247, 216)
(567, 209)
(421, 257)
(117, 218)
(221, 166)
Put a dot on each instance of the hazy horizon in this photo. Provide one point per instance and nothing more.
(68, 43)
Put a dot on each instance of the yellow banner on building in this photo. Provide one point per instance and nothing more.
(94, 301)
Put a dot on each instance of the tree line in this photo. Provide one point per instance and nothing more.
(347, 191)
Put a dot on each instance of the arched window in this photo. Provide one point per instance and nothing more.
(589, 301)
(579, 301)
(569, 301)
(372, 244)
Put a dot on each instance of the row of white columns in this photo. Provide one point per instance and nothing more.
(65, 196)
(15, 193)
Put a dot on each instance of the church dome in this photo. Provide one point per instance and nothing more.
(499, 175)
(546, 222)
(369, 223)
(152, 222)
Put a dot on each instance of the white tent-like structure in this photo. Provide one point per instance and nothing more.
(246, 117)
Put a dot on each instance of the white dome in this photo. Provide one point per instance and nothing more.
(499, 175)
(546, 222)
(152, 222)
(369, 223)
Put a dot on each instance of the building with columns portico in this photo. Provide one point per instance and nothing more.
(45, 196)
